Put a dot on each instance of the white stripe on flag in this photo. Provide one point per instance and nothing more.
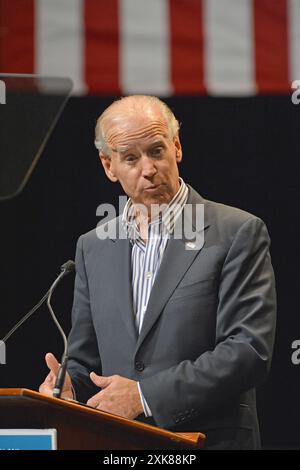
(228, 53)
(294, 39)
(144, 47)
(59, 44)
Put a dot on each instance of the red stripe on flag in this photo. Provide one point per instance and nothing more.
(17, 36)
(271, 45)
(186, 46)
(102, 46)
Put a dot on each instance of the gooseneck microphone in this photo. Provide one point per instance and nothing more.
(66, 268)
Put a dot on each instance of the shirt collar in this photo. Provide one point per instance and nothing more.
(164, 223)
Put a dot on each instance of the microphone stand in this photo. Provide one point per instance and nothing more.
(63, 367)
(66, 268)
(20, 322)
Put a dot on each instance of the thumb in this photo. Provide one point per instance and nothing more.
(99, 380)
(52, 363)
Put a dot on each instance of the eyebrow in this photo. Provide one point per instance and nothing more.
(157, 142)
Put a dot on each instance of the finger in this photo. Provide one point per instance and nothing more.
(52, 363)
(46, 388)
(50, 378)
(99, 380)
(93, 401)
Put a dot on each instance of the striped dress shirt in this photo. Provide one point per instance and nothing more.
(146, 257)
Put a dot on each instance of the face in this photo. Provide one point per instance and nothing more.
(143, 158)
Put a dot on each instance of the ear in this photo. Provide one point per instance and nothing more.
(108, 167)
(178, 148)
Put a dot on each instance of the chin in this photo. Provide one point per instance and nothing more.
(155, 199)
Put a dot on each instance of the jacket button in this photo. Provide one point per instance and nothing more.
(139, 365)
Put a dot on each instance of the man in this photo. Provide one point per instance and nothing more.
(165, 330)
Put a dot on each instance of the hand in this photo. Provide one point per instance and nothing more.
(46, 388)
(119, 396)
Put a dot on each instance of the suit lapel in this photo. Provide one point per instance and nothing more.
(121, 262)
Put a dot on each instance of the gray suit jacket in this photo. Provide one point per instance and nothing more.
(207, 337)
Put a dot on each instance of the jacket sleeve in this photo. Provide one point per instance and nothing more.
(245, 326)
(83, 349)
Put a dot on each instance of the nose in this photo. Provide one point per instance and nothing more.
(148, 167)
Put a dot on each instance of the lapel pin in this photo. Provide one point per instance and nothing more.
(190, 245)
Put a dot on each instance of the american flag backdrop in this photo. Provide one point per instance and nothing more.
(163, 47)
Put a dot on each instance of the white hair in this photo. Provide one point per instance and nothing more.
(117, 111)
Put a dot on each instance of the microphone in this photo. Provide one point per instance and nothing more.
(66, 268)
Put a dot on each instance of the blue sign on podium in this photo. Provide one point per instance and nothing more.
(28, 439)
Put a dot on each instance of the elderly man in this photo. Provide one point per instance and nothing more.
(175, 333)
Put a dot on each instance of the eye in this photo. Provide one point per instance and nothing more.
(156, 151)
(130, 159)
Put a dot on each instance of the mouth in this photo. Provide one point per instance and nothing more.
(152, 188)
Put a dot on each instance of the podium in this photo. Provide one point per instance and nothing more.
(80, 427)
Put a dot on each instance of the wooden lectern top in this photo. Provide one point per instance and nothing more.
(82, 427)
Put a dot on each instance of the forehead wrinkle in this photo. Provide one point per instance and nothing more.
(152, 129)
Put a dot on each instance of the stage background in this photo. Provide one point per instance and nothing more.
(239, 151)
